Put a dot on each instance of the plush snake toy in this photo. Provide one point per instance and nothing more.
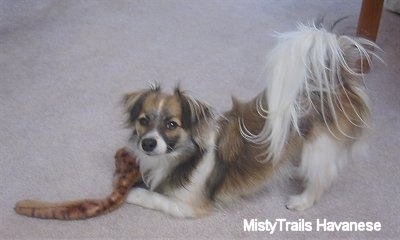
(125, 176)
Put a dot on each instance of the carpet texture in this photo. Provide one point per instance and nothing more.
(64, 66)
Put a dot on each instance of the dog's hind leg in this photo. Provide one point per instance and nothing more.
(322, 159)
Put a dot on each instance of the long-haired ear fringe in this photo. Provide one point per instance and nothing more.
(193, 111)
(133, 102)
(155, 87)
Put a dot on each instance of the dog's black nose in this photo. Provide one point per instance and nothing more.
(149, 144)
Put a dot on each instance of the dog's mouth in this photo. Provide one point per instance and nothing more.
(153, 153)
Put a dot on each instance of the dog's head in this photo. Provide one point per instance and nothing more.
(163, 123)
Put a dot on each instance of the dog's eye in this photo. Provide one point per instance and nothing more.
(144, 121)
(171, 125)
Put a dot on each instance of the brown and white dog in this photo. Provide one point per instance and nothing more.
(312, 112)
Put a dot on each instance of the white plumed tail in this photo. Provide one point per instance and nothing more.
(308, 60)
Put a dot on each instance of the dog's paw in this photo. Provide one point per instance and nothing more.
(138, 196)
(299, 202)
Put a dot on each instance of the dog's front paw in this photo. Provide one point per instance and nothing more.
(299, 202)
(138, 196)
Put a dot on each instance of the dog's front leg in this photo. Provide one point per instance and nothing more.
(156, 201)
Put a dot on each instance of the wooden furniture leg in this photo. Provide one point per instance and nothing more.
(368, 25)
(370, 16)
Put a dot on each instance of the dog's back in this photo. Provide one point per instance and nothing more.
(314, 109)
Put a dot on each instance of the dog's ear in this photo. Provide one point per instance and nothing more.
(133, 103)
(194, 112)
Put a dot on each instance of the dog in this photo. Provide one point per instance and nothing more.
(312, 113)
